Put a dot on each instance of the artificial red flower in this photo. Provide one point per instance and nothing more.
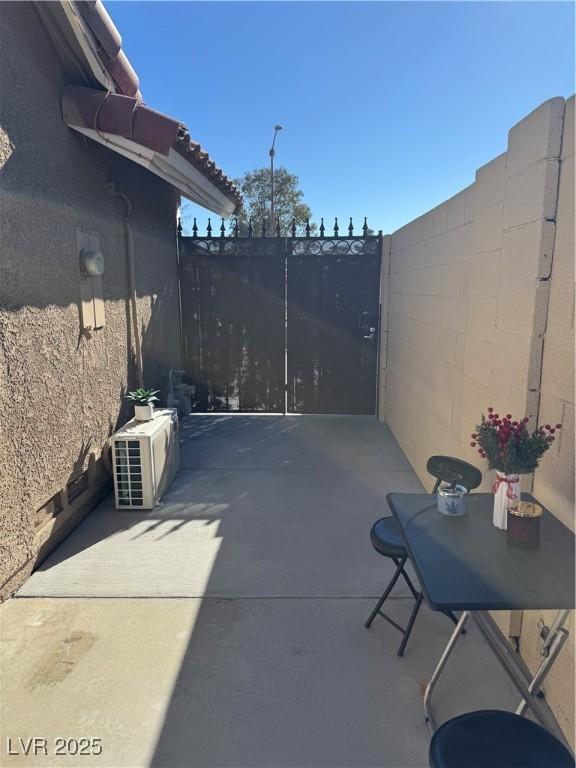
(510, 446)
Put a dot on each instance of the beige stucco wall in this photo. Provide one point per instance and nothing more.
(61, 391)
(480, 312)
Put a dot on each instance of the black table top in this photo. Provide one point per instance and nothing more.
(465, 563)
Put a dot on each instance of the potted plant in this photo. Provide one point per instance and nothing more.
(143, 400)
(512, 450)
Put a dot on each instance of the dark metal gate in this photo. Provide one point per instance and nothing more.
(333, 323)
(281, 324)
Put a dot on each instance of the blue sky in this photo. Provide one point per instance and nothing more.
(388, 107)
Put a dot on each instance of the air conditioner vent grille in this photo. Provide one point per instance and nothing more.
(145, 458)
(128, 459)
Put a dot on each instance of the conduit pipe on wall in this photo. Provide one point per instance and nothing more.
(131, 279)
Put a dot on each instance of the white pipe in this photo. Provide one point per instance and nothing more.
(131, 282)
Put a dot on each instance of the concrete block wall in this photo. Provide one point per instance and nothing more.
(481, 312)
(554, 480)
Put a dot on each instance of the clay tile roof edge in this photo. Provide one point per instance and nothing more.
(130, 118)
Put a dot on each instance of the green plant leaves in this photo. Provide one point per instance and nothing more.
(143, 396)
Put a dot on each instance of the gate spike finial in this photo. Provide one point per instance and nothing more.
(350, 227)
(365, 228)
(293, 228)
(209, 228)
(194, 229)
(322, 230)
(307, 227)
(235, 228)
(277, 227)
(222, 229)
(250, 230)
(336, 228)
(263, 227)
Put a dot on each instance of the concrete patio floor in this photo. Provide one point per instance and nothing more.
(225, 627)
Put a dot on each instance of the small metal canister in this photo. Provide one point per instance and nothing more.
(451, 501)
(523, 525)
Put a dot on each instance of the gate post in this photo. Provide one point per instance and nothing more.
(384, 242)
(285, 250)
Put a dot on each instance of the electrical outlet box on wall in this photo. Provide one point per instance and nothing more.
(91, 268)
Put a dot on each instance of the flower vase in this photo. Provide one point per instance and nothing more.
(506, 494)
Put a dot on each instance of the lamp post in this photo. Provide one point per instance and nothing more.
(272, 153)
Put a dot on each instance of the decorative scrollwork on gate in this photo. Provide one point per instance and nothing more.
(305, 244)
(315, 246)
(234, 246)
(268, 246)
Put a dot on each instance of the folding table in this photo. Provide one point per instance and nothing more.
(466, 564)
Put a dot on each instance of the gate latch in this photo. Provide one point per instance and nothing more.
(368, 326)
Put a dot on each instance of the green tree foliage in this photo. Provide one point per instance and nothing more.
(288, 201)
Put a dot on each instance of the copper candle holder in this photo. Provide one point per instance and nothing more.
(523, 524)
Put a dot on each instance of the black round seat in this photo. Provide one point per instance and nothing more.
(387, 538)
(491, 738)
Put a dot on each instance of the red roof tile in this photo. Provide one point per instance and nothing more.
(123, 113)
(130, 118)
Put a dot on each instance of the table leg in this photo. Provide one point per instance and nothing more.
(515, 671)
(438, 670)
(552, 646)
(559, 620)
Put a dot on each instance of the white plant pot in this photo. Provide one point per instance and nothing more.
(143, 412)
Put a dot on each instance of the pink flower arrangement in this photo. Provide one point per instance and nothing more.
(508, 445)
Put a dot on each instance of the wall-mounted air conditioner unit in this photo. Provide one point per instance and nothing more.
(145, 456)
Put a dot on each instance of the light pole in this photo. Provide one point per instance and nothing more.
(272, 217)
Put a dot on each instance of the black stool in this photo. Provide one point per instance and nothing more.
(491, 738)
(387, 540)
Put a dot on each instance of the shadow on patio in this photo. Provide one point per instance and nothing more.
(264, 659)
